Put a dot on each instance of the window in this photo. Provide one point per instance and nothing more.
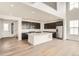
(73, 5)
(6, 27)
(74, 27)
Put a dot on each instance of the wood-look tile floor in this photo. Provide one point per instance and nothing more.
(56, 47)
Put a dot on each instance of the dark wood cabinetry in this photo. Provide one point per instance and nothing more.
(53, 25)
(31, 25)
(59, 23)
(50, 26)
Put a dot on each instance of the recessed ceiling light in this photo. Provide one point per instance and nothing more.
(33, 12)
(12, 5)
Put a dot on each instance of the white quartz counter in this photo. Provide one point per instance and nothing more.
(38, 38)
(38, 30)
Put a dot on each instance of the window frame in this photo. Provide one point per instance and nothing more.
(73, 28)
(73, 5)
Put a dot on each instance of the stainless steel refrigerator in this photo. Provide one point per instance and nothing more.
(59, 32)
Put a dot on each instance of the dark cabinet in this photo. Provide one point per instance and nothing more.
(24, 36)
(53, 25)
(54, 35)
(50, 26)
(31, 25)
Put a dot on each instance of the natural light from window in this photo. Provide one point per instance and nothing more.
(6, 27)
(74, 27)
(74, 5)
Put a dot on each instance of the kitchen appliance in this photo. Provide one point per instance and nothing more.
(59, 32)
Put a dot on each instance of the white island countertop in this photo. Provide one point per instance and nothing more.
(38, 38)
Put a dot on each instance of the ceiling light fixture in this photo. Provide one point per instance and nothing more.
(33, 12)
(11, 5)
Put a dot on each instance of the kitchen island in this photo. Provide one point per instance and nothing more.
(38, 38)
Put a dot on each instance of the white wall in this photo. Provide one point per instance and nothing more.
(61, 10)
(52, 4)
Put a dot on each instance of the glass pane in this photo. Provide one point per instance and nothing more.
(71, 31)
(73, 5)
(6, 27)
(76, 5)
(73, 23)
(74, 31)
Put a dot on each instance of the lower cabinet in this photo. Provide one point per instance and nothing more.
(24, 36)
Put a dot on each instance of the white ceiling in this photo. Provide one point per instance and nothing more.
(28, 12)
(47, 9)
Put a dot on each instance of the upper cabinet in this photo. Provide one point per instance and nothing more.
(59, 23)
(50, 26)
(53, 25)
(30, 25)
